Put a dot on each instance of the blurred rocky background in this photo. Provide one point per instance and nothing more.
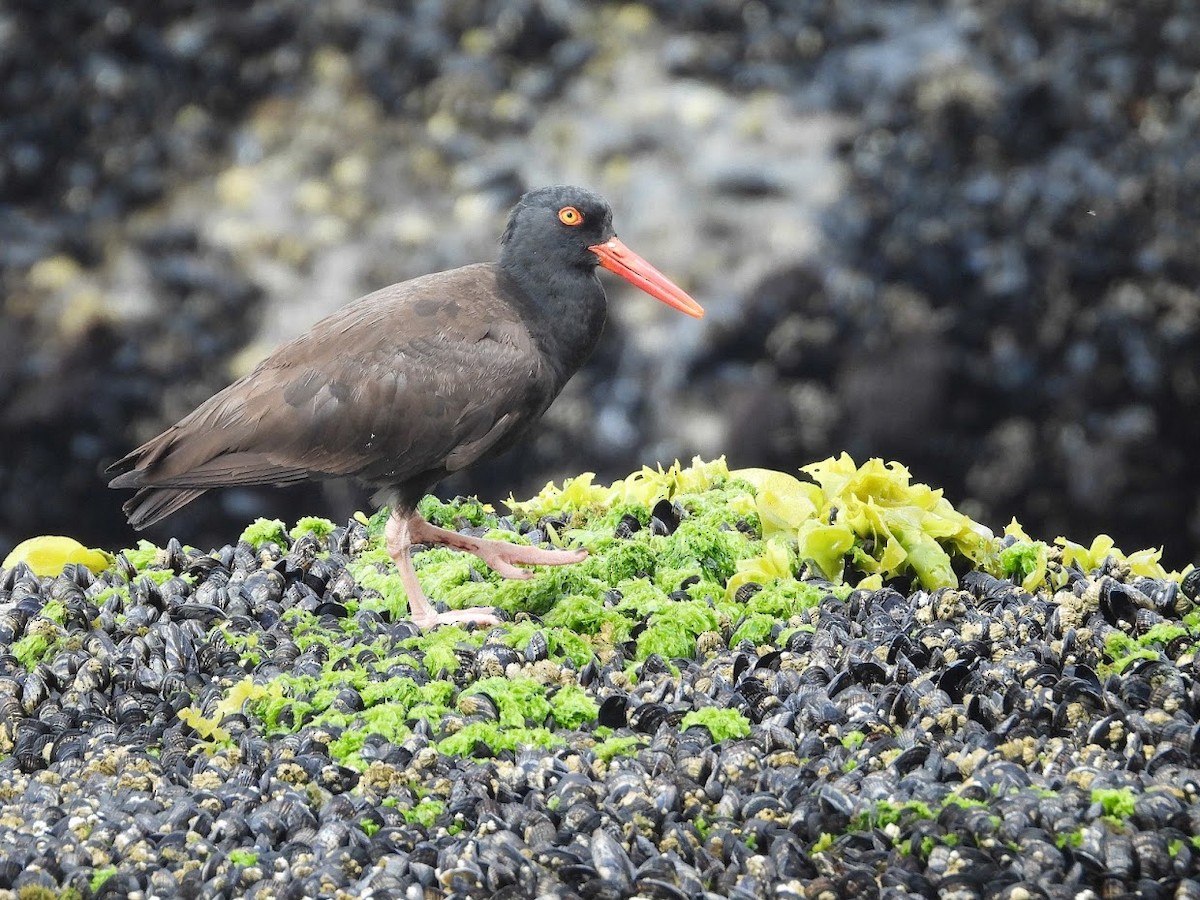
(965, 236)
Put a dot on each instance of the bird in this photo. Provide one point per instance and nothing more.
(411, 383)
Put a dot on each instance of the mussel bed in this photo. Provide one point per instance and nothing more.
(973, 742)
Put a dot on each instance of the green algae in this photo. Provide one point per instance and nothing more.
(524, 705)
(754, 628)
(560, 641)
(314, 525)
(783, 599)
(676, 586)
(1164, 633)
(643, 571)
(721, 723)
(456, 513)
(1124, 651)
(1037, 565)
(144, 555)
(518, 700)
(489, 737)
(32, 649)
(262, 531)
(589, 616)
(1025, 562)
(100, 876)
(241, 857)
(620, 745)
(572, 707)
(1117, 803)
(641, 489)
(671, 633)
(426, 812)
(438, 648)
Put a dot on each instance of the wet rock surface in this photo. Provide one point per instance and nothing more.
(970, 742)
(958, 238)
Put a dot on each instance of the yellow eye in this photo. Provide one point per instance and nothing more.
(569, 215)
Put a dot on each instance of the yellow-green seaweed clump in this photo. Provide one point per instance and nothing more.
(872, 516)
(47, 554)
(1036, 565)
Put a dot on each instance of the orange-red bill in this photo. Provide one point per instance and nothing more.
(619, 259)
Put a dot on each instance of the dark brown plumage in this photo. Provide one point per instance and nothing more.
(411, 383)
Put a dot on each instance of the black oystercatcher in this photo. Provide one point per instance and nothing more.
(411, 383)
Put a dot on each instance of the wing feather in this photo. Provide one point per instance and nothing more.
(393, 386)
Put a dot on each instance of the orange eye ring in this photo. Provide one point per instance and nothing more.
(569, 215)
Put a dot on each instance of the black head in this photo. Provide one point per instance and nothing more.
(556, 236)
(557, 225)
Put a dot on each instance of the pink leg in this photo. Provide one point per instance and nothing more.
(404, 531)
(399, 541)
(499, 556)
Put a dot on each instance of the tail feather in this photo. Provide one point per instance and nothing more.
(200, 453)
(150, 504)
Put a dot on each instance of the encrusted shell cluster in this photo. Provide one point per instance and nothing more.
(980, 741)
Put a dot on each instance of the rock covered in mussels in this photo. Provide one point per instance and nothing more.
(262, 721)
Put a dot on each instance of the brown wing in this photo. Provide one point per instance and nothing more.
(422, 376)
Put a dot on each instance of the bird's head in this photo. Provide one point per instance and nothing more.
(571, 227)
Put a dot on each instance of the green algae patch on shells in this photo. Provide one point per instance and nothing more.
(619, 745)
(243, 857)
(47, 554)
(425, 812)
(261, 531)
(1035, 564)
(143, 556)
(572, 707)
(722, 724)
(519, 700)
(32, 649)
(1025, 561)
(1122, 650)
(314, 525)
(560, 641)
(1118, 803)
(457, 512)
(672, 632)
(438, 648)
(494, 739)
(641, 488)
(100, 876)
(872, 515)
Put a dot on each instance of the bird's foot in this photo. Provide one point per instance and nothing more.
(506, 559)
(425, 617)
(500, 556)
(403, 531)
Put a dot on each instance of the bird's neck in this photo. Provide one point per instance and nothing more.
(564, 308)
